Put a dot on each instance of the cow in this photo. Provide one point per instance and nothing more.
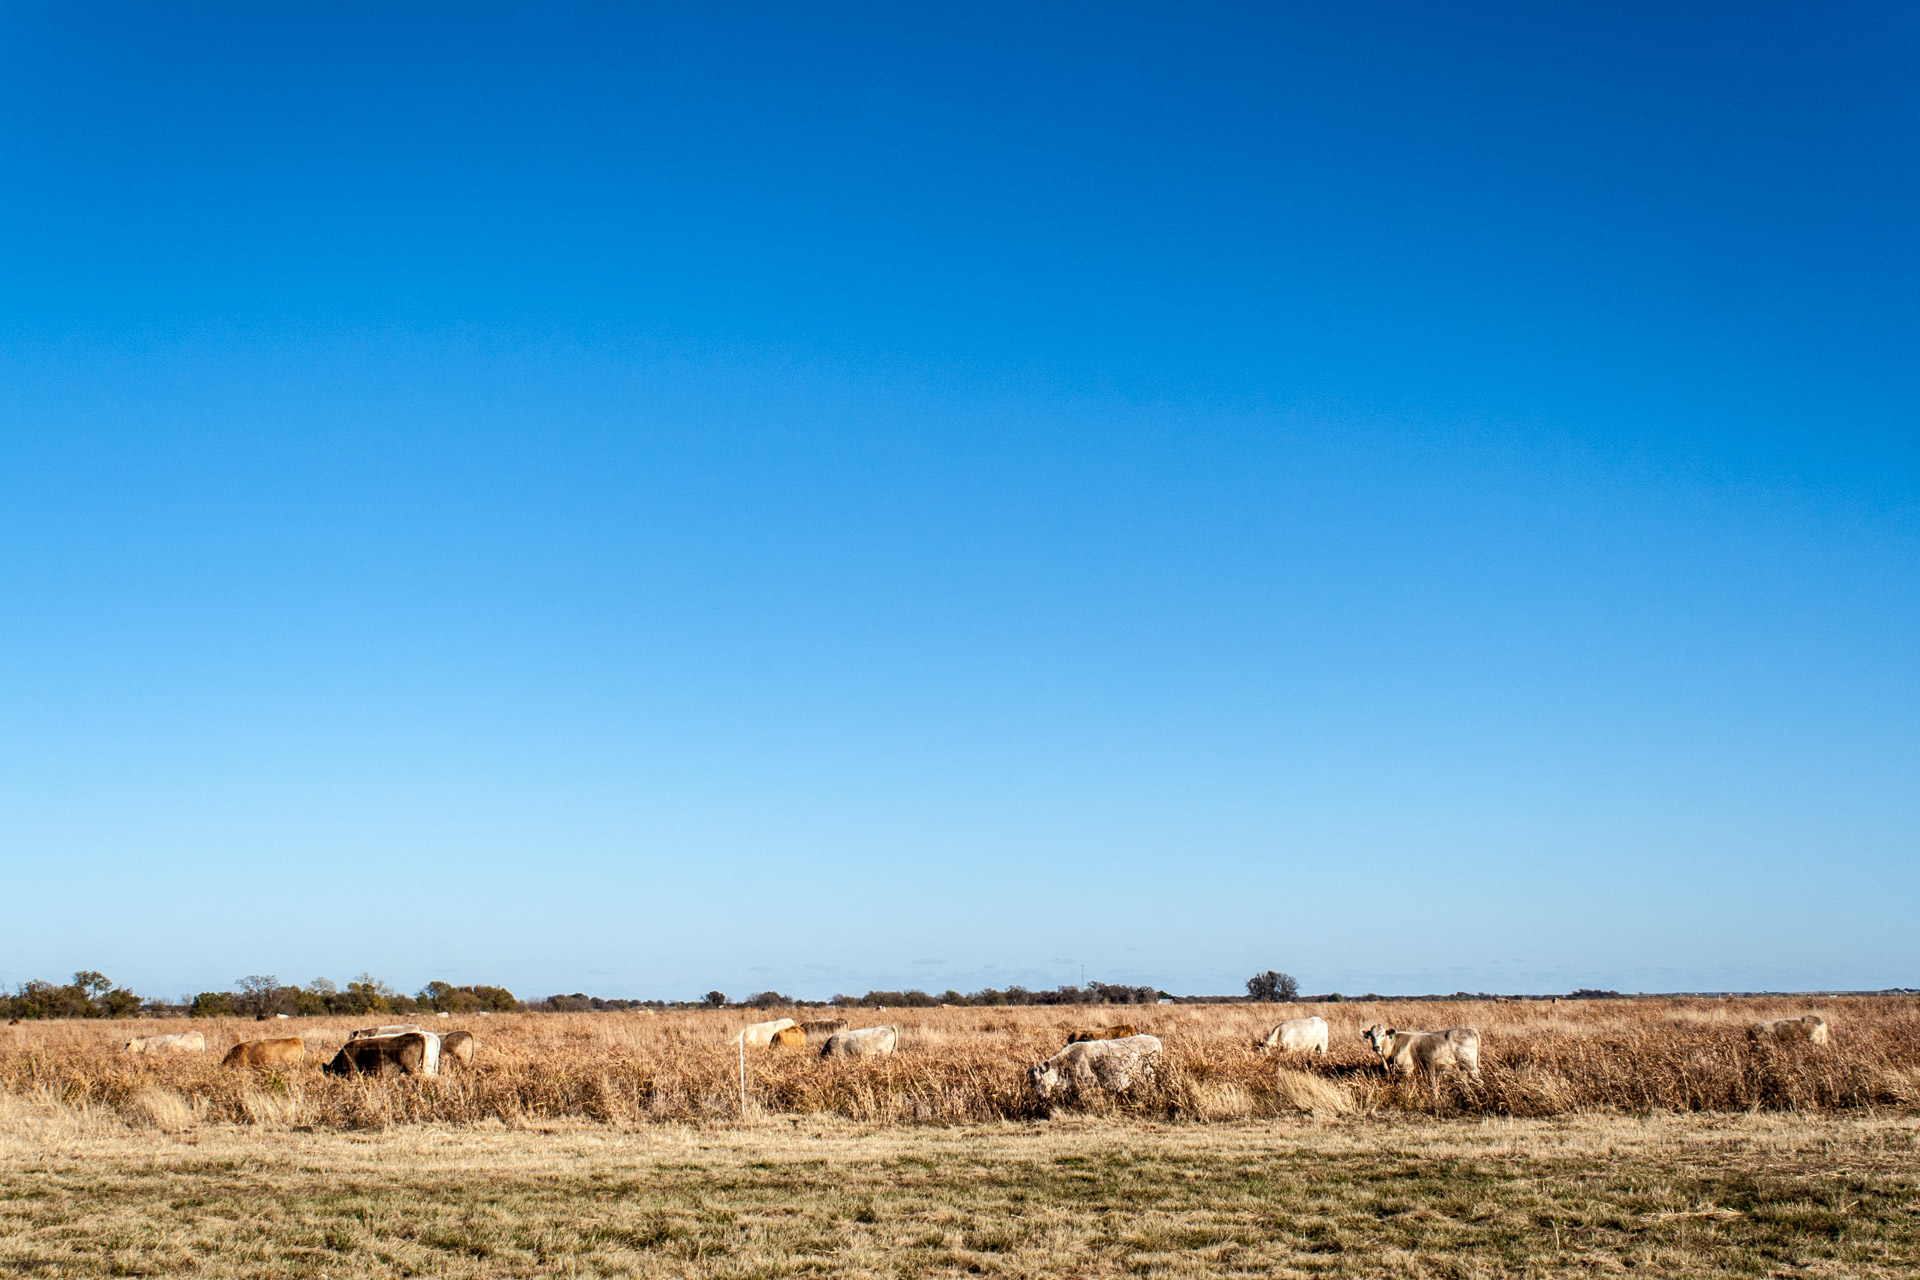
(413, 1053)
(760, 1034)
(283, 1052)
(867, 1042)
(390, 1029)
(1812, 1028)
(789, 1038)
(1308, 1034)
(1086, 1065)
(1432, 1051)
(1085, 1034)
(178, 1042)
(458, 1045)
(821, 1028)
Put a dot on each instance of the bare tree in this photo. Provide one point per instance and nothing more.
(259, 995)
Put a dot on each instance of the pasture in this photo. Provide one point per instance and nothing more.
(968, 1065)
(1603, 1137)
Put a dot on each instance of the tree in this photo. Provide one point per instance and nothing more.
(93, 984)
(367, 994)
(211, 1004)
(259, 995)
(716, 999)
(1271, 987)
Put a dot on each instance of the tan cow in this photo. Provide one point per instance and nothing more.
(1085, 1034)
(459, 1046)
(760, 1034)
(413, 1053)
(821, 1028)
(1087, 1065)
(1431, 1051)
(283, 1052)
(1296, 1034)
(178, 1042)
(1811, 1028)
(789, 1038)
(867, 1042)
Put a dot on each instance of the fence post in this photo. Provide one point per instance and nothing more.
(743, 1073)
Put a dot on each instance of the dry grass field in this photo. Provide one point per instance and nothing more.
(967, 1065)
(1771, 1194)
(1642, 1137)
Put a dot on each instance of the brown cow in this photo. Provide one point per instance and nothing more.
(789, 1038)
(823, 1027)
(1812, 1028)
(1085, 1034)
(266, 1053)
(458, 1045)
(414, 1053)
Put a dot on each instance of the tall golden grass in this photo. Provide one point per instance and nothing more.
(968, 1065)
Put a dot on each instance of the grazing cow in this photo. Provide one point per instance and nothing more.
(457, 1045)
(1085, 1034)
(1432, 1051)
(1812, 1028)
(178, 1042)
(1086, 1065)
(821, 1028)
(789, 1038)
(867, 1042)
(1309, 1034)
(760, 1034)
(413, 1053)
(283, 1052)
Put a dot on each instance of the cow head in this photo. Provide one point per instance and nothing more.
(1047, 1080)
(1381, 1038)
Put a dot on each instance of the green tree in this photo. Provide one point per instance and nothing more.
(1271, 987)
(211, 1004)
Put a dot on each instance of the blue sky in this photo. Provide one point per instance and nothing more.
(822, 497)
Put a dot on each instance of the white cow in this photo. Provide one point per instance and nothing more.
(1432, 1051)
(760, 1034)
(867, 1042)
(1309, 1034)
(178, 1042)
(1080, 1068)
(1811, 1028)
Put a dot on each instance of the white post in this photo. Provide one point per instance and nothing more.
(743, 1073)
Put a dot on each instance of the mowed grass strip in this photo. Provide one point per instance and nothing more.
(1667, 1197)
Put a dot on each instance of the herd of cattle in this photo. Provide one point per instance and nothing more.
(404, 1047)
(1099, 1058)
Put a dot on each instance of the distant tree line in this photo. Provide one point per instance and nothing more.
(1092, 993)
(89, 995)
(93, 995)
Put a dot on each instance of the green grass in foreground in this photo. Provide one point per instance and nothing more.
(1664, 1197)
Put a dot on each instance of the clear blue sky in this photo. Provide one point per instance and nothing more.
(820, 496)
